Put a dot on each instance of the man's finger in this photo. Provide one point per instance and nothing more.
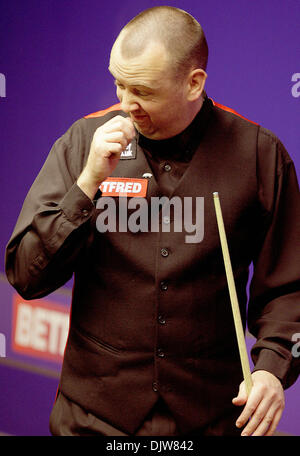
(119, 123)
(242, 396)
(261, 419)
(115, 149)
(265, 420)
(275, 422)
(249, 409)
(117, 137)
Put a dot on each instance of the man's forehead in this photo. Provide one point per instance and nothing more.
(149, 64)
(132, 78)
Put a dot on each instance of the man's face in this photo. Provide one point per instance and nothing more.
(150, 93)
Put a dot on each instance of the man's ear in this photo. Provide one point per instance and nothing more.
(196, 83)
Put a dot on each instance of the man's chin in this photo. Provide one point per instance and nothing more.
(145, 130)
(151, 134)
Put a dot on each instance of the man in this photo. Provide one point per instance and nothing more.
(152, 347)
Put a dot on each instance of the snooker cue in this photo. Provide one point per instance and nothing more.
(233, 297)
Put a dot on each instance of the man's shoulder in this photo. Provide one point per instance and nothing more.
(85, 126)
(231, 114)
(111, 111)
(268, 144)
(98, 118)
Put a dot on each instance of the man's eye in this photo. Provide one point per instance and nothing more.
(140, 93)
(119, 86)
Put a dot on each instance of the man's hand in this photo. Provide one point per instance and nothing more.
(264, 405)
(108, 142)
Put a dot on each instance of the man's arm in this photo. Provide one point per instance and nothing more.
(51, 228)
(54, 225)
(273, 310)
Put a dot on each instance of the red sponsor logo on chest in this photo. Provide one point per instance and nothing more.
(124, 186)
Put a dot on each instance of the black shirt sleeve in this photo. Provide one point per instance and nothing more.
(274, 305)
(52, 227)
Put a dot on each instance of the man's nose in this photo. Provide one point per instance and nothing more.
(128, 102)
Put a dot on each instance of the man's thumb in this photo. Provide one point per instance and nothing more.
(241, 398)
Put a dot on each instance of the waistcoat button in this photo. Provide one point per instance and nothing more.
(164, 252)
(155, 387)
(163, 286)
(160, 353)
(161, 320)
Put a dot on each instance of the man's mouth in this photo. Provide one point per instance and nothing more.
(137, 118)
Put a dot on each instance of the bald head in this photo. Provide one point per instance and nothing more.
(174, 29)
